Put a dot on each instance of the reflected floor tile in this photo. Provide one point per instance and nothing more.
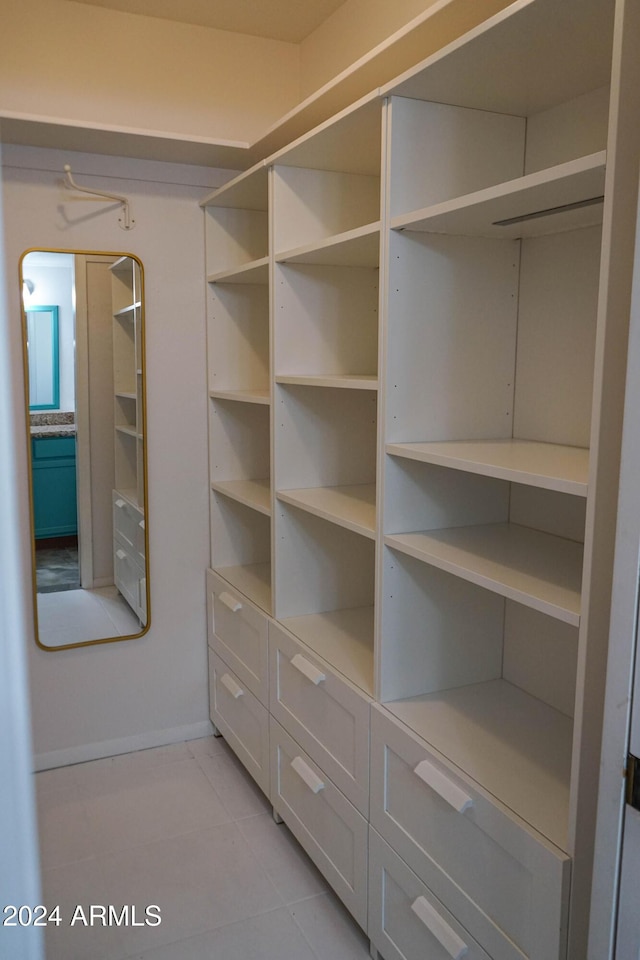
(118, 610)
(73, 616)
(57, 569)
(200, 881)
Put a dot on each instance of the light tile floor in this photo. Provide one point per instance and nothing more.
(75, 616)
(183, 827)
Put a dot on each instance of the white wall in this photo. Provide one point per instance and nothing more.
(99, 700)
(84, 63)
(54, 287)
(19, 879)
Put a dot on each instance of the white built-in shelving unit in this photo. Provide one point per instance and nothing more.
(127, 376)
(129, 527)
(432, 296)
(238, 332)
(326, 252)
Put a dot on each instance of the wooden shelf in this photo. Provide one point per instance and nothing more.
(344, 638)
(348, 142)
(242, 396)
(341, 381)
(513, 745)
(547, 465)
(523, 60)
(353, 248)
(553, 190)
(252, 493)
(539, 570)
(125, 395)
(121, 265)
(247, 191)
(253, 580)
(254, 272)
(127, 312)
(352, 506)
(129, 431)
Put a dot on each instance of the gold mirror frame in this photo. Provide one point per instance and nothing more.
(129, 534)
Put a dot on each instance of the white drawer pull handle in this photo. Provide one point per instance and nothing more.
(120, 503)
(307, 669)
(233, 688)
(230, 601)
(306, 774)
(435, 779)
(120, 554)
(435, 924)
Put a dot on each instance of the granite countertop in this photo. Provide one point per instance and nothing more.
(52, 424)
(54, 430)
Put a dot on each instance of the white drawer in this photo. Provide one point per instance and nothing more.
(129, 578)
(128, 527)
(321, 818)
(504, 882)
(241, 719)
(238, 632)
(406, 921)
(326, 714)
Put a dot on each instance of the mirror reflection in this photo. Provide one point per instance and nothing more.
(83, 325)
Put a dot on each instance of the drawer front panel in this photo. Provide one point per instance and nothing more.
(321, 818)
(129, 578)
(52, 448)
(128, 526)
(406, 921)
(325, 714)
(238, 632)
(504, 883)
(241, 719)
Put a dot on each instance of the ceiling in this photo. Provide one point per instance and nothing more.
(290, 20)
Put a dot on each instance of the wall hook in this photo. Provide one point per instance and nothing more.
(126, 221)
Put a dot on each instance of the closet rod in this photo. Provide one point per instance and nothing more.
(128, 220)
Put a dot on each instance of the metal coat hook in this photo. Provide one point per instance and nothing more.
(126, 221)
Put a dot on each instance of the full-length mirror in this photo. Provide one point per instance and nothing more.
(83, 328)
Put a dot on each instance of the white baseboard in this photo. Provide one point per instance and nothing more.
(111, 748)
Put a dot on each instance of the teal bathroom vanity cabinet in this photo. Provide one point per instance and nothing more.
(54, 486)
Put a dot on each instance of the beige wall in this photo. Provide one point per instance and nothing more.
(62, 60)
(351, 32)
(361, 29)
(83, 63)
